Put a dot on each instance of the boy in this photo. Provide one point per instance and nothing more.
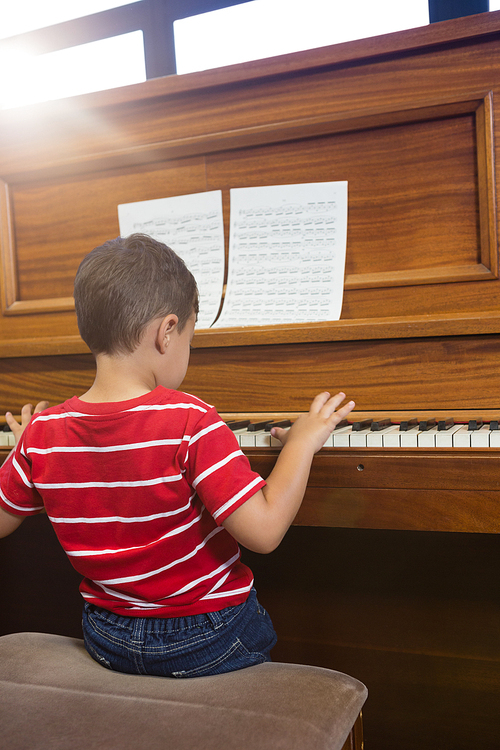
(146, 487)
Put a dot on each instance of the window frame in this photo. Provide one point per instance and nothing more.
(155, 18)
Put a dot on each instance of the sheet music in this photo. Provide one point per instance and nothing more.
(286, 254)
(192, 226)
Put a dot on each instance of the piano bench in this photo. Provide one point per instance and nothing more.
(53, 695)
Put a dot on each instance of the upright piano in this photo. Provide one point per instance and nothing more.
(391, 569)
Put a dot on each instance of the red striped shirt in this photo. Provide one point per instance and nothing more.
(136, 492)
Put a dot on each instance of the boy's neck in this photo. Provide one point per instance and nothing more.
(119, 378)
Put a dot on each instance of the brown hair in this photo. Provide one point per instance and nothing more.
(123, 285)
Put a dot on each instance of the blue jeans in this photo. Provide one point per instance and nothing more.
(212, 643)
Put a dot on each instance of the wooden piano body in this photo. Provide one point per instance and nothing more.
(391, 570)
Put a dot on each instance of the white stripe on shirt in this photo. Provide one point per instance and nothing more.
(205, 431)
(149, 574)
(21, 473)
(107, 448)
(84, 485)
(19, 507)
(62, 415)
(160, 407)
(97, 552)
(236, 497)
(216, 467)
(213, 573)
(120, 519)
(233, 592)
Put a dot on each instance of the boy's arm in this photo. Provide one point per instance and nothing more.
(8, 521)
(262, 521)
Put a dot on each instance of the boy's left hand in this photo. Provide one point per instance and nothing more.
(26, 415)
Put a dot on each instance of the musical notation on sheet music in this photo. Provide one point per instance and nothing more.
(192, 225)
(286, 254)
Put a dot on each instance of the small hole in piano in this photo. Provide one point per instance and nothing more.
(360, 467)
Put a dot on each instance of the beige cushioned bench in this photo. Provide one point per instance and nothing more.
(53, 696)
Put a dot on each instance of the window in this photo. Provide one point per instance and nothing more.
(27, 15)
(264, 28)
(53, 48)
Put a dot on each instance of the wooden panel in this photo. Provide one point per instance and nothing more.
(421, 375)
(381, 375)
(58, 221)
(32, 379)
(412, 220)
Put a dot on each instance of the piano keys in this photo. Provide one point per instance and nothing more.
(382, 433)
(365, 433)
(6, 437)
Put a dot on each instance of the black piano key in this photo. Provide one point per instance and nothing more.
(343, 423)
(475, 424)
(238, 425)
(445, 424)
(426, 424)
(6, 428)
(494, 424)
(380, 424)
(408, 424)
(283, 423)
(256, 426)
(363, 425)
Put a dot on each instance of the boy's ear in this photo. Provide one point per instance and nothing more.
(167, 326)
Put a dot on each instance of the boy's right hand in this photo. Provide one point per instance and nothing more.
(316, 426)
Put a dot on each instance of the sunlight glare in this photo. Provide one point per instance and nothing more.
(26, 15)
(107, 63)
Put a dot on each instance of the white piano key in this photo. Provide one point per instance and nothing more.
(444, 438)
(238, 433)
(4, 439)
(376, 439)
(409, 439)
(263, 439)
(247, 439)
(480, 438)
(495, 439)
(461, 438)
(358, 439)
(427, 438)
(392, 438)
(341, 437)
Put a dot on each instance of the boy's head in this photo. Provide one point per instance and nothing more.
(123, 285)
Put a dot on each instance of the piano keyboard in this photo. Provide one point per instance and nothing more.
(369, 433)
(6, 438)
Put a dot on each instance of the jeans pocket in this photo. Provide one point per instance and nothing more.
(235, 657)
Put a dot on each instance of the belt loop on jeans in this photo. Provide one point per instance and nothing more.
(216, 619)
(138, 632)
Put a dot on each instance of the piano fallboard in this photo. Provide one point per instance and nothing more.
(417, 490)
